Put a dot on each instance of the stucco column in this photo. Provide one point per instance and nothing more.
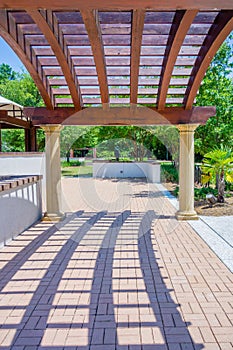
(53, 172)
(186, 173)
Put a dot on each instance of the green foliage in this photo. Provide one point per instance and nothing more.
(65, 164)
(166, 137)
(69, 137)
(169, 173)
(217, 163)
(217, 90)
(40, 139)
(13, 140)
(134, 142)
(6, 73)
(20, 88)
(200, 193)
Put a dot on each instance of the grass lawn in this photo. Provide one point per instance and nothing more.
(77, 171)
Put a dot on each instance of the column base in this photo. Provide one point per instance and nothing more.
(53, 217)
(186, 215)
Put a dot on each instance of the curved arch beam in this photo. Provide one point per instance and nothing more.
(28, 64)
(221, 28)
(181, 24)
(94, 33)
(136, 43)
(52, 40)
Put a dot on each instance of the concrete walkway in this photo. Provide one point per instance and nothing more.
(118, 273)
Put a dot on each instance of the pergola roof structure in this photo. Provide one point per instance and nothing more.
(116, 53)
(11, 115)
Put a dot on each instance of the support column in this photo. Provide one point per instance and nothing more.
(27, 140)
(53, 172)
(186, 173)
(30, 139)
(0, 137)
(33, 141)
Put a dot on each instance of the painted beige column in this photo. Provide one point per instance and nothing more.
(53, 172)
(186, 173)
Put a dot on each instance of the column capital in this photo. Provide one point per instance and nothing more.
(187, 127)
(51, 128)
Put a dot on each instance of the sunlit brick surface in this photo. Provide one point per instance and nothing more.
(118, 273)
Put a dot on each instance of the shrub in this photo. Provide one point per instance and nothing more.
(169, 173)
(65, 164)
(200, 193)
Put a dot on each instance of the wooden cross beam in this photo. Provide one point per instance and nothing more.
(133, 115)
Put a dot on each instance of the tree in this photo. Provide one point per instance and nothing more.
(218, 164)
(20, 88)
(217, 90)
(69, 137)
(6, 73)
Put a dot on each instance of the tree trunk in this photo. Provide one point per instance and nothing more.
(221, 188)
(68, 156)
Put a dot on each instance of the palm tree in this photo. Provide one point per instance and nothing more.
(218, 164)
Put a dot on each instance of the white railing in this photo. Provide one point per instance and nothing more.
(20, 205)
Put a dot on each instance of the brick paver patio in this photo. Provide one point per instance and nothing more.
(118, 273)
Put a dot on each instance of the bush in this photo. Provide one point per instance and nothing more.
(169, 173)
(229, 186)
(65, 164)
(200, 193)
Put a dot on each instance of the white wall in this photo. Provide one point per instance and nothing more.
(20, 207)
(148, 170)
(24, 163)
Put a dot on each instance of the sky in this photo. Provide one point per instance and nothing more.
(8, 56)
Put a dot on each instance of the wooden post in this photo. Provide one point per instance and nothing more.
(0, 137)
(30, 139)
(27, 140)
(33, 140)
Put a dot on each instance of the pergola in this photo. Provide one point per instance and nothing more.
(12, 116)
(135, 62)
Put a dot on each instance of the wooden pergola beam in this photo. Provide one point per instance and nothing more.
(221, 28)
(91, 21)
(119, 116)
(181, 24)
(136, 42)
(5, 119)
(61, 58)
(117, 4)
(24, 58)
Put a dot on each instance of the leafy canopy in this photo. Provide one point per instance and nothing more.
(217, 90)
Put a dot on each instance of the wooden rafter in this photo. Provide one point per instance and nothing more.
(6, 119)
(61, 58)
(90, 19)
(136, 42)
(181, 24)
(119, 116)
(4, 32)
(221, 28)
(118, 4)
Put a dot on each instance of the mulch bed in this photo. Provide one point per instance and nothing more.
(202, 207)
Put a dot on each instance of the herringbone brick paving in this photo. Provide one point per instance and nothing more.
(118, 273)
